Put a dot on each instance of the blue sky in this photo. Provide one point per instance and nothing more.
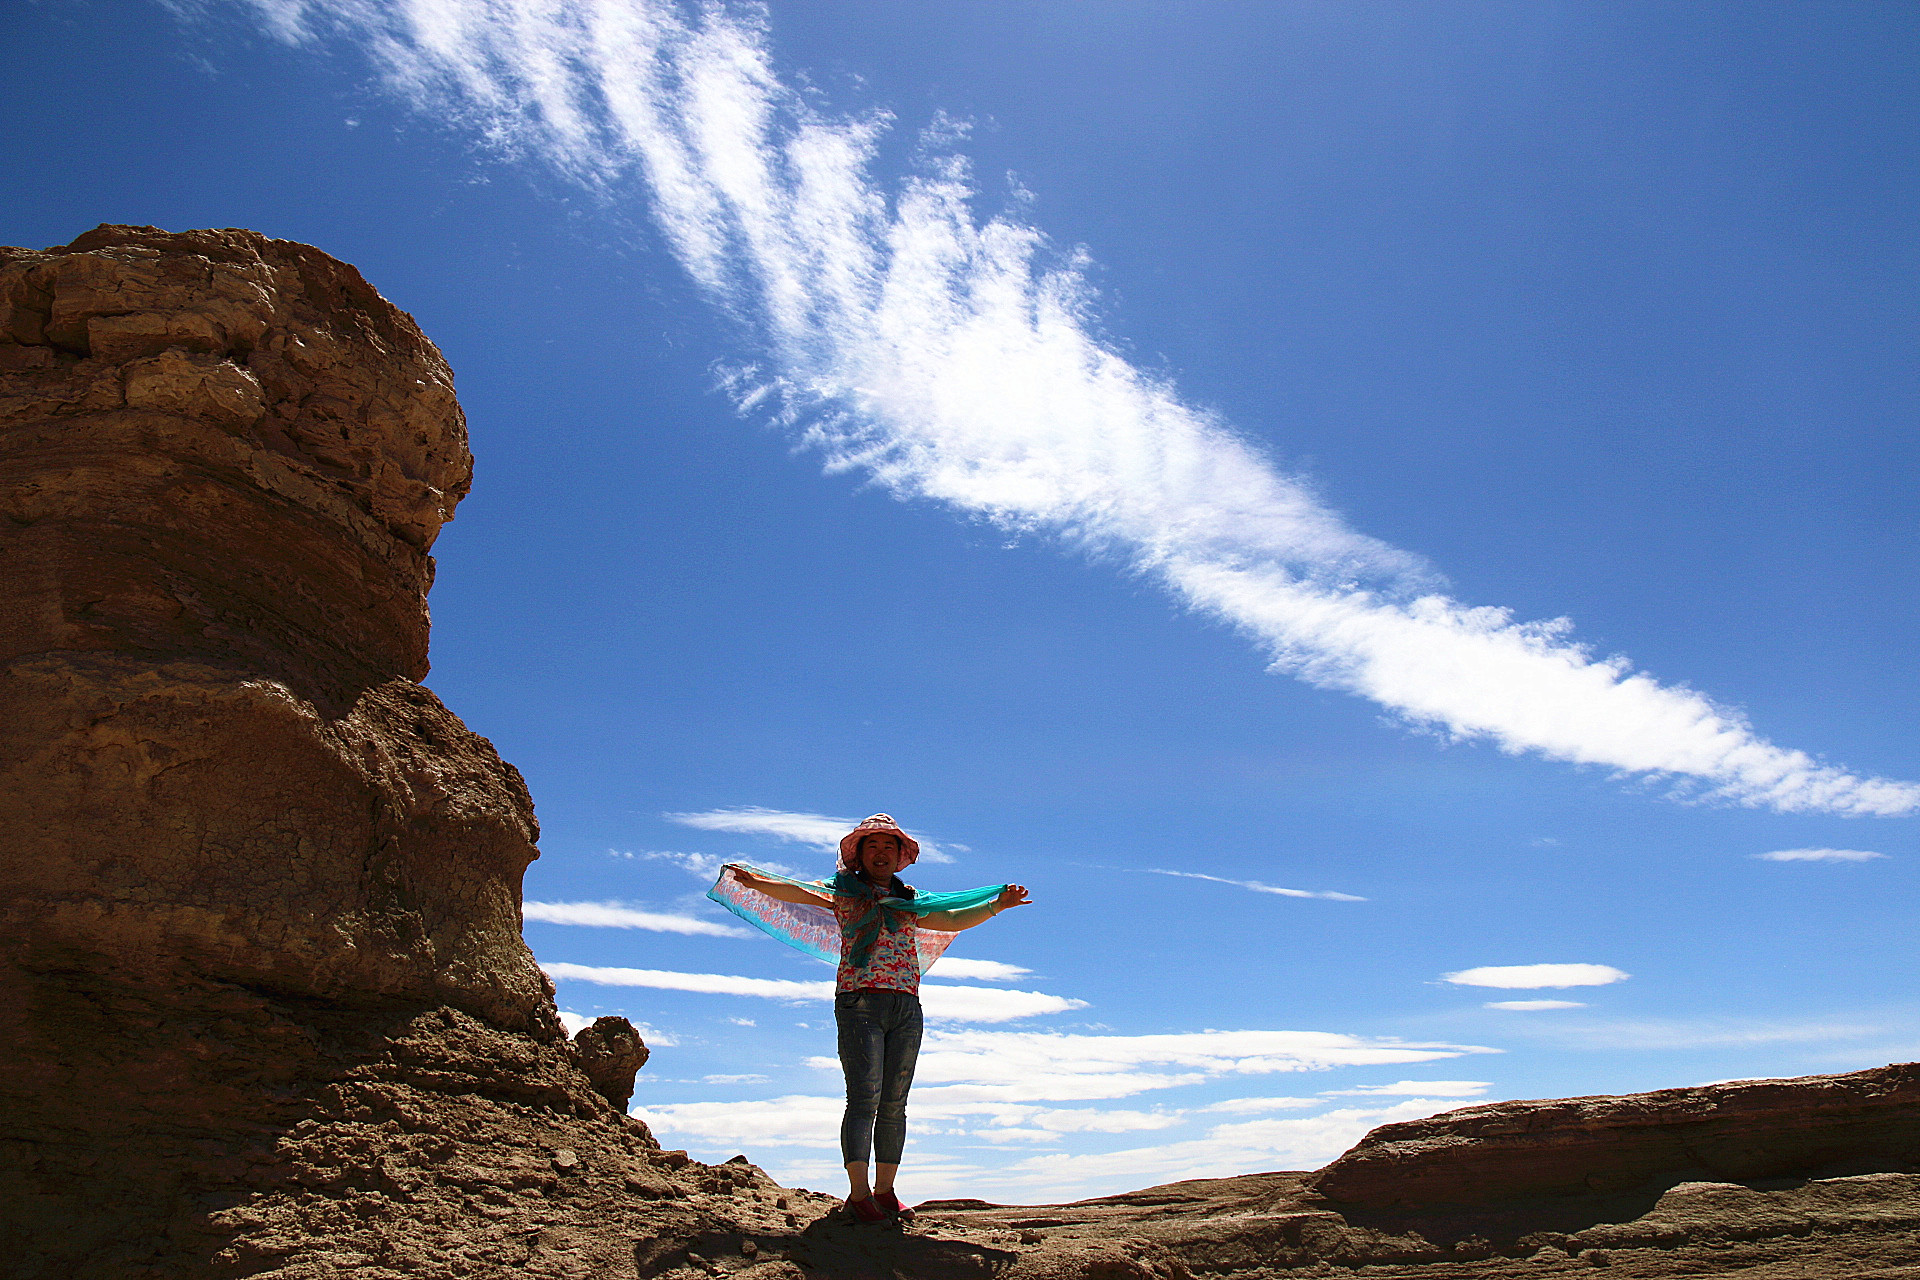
(1106, 437)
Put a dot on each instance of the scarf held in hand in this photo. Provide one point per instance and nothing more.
(816, 929)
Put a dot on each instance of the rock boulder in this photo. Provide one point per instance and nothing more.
(1740, 1131)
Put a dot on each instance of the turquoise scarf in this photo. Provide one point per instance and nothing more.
(816, 929)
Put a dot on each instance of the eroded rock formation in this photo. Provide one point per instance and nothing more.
(222, 462)
(247, 856)
(267, 1008)
(1741, 1131)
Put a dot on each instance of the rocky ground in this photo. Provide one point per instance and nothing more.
(1273, 1225)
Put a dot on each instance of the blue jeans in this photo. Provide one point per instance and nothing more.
(879, 1044)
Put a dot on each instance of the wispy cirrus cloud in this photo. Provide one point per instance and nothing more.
(1819, 855)
(1304, 1142)
(1532, 976)
(814, 830)
(1655, 1034)
(1041, 1066)
(702, 866)
(943, 1003)
(1415, 1089)
(958, 358)
(1257, 887)
(1257, 1106)
(615, 915)
(979, 970)
(1533, 1006)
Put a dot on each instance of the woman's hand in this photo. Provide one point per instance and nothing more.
(1014, 895)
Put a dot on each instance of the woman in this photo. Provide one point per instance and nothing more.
(886, 935)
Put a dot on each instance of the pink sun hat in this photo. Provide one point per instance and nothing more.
(850, 842)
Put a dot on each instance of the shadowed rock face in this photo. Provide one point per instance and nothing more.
(229, 817)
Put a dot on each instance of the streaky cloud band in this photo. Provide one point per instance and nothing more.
(958, 359)
(955, 1004)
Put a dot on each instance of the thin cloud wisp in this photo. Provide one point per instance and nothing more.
(614, 915)
(958, 358)
(1256, 886)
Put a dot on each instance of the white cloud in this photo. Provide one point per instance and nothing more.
(704, 983)
(1819, 855)
(794, 1120)
(614, 915)
(1306, 1142)
(1254, 1106)
(959, 359)
(1001, 1102)
(941, 1003)
(814, 830)
(1533, 1006)
(1529, 976)
(1663, 1034)
(1416, 1089)
(981, 970)
(973, 1066)
(989, 1004)
(1006, 1088)
(1256, 886)
(706, 866)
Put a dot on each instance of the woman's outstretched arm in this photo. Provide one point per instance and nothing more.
(1014, 895)
(781, 889)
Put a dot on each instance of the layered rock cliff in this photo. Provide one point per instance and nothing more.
(255, 873)
(223, 460)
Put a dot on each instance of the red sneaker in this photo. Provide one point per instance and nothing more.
(866, 1209)
(891, 1203)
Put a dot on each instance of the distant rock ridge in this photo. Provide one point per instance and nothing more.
(265, 1010)
(1738, 1131)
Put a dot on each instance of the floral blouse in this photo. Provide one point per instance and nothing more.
(894, 964)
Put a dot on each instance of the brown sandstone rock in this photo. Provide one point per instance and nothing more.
(222, 465)
(1862, 1122)
(227, 811)
(611, 1052)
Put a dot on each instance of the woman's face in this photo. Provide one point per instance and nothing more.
(881, 855)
